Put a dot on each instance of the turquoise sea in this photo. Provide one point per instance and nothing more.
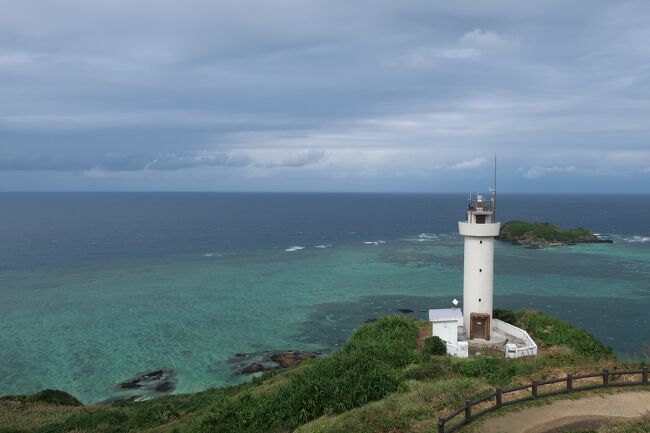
(95, 288)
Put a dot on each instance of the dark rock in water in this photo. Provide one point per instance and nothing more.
(405, 310)
(164, 387)
(154, 380)
(371, 320)
(289, 359)
(152, 375)
(131, 384)
(260, 360)
(254, 368)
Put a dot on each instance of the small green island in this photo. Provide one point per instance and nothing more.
(388, 377)
(541, 235)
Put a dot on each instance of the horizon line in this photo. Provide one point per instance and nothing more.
(309, 192)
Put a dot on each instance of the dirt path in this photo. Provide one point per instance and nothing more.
(588, 412)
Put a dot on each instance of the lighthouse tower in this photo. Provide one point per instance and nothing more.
(479, 230)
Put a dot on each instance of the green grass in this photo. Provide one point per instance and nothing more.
(550, 331)
(380, 381)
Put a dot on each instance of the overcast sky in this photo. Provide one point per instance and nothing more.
(331, 95)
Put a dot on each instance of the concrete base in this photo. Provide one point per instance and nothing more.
(498, 339)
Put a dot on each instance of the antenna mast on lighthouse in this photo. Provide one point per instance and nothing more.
(494, 191)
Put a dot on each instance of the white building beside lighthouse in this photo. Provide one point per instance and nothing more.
(473, 326)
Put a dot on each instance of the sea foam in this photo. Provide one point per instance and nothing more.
(294, 248)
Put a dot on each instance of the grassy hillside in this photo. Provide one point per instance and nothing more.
(380, 381)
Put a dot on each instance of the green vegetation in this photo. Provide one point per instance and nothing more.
(504, 315)
(47, 396)
(549, 331)
(385, 379)
(434, 346)
(537, 235)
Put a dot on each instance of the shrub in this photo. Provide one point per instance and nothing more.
(424, 371)
(48, 396)
(392, 340)
(434, 346)
(507, 316)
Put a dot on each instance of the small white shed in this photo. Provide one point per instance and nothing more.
(445, 323)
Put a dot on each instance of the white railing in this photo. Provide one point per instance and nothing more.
(529, 349)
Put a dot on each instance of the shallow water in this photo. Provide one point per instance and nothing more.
(96, 288)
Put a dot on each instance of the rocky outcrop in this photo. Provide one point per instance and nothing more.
(274, 360)
(254, 368)
(289, 359)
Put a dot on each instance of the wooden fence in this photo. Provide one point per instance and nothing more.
(454, 421)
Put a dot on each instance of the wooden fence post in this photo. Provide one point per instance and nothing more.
(644, 375)
(468, 411)
(569, 382)
(605, 377)
(499, 397)
(441, 425)
(534, 390)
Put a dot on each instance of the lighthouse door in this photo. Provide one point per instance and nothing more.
(480, 326)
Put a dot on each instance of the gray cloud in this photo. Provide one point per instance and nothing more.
(300, 159)
(379, 95)
(218, 159)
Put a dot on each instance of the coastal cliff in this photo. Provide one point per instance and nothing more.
(541, 235)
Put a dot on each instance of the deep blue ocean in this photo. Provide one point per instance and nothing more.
(95, 287)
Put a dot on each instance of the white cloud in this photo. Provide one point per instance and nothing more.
(489, 40)
(472, 163)
(470, 46)
(537, 171)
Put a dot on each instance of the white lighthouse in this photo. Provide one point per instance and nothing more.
(474, 327)
(479, 230)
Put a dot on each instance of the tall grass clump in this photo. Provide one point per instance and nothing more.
(393, 340)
